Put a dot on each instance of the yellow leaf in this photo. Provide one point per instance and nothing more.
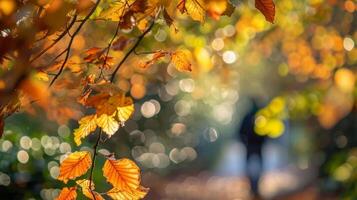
(108, 124)
(116, 10)
(67, 194)
(180, 59)
(123, 174)
(84, 183)
(87, 125)
(196, 9)
(42, 76)
(125, 108)
(75, 165)
(137, 194)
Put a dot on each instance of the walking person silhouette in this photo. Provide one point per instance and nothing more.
(253, 144)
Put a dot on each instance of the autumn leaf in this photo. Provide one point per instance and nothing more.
(107, 108)
(181, 6)
(136, 194)
(67, 194)
(267, 7)
(180, 60)
(125, 109)
(196, 9)
(108, 124)
(155, 57)
(75, 165)
(84, 184)
(93, 54)
(94, 101)
(42, 76)
(215, 8)
(123, 174)
(86, 125)
(120, 43)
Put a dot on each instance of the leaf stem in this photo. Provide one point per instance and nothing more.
(140, 38)
(68, 49)
(93, 163)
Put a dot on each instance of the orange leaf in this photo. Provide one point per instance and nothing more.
(267, 7)
(180, 59)
(84, 183)
(155, 58)
(87, 125)
(98, 99)
(137, 194)
(67, 194)
(75, 165)
(93, 54)
(123, 174)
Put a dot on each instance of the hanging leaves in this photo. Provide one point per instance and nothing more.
(137, 194)
(123, 174)
(108, 124)
(125, 109)
(180, 59)
(267, 7)
(87, 125)
(75, 165)
(67, 194)
(112, 111)
(195, 8)
(89, 191)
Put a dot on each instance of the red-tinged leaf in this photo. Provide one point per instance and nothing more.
(120, 43)
(96, 100)
(154, 59)
(181, 6)
(167, 18)
(93, 54)
(267, 7)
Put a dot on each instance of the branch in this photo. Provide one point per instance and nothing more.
(56, 40)
(93, 163)
(68, 49)
(108, 48)
(140, 38)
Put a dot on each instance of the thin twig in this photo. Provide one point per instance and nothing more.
(140, 38)
(93, 162)
(56, 40)
(68, 49)
(108, 48)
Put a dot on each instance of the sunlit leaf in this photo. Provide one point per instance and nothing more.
(67, 194)
(180, 60)
(267, 7)
(125, 109)
(84, 183)
(196, 9)
(136, 194)
(123, 174)
(108, 124)
(86, 125)
(75, 165)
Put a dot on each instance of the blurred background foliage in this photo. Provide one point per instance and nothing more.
(302, 69)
